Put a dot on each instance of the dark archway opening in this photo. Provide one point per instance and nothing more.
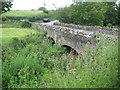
(69, 49)
(51, 40)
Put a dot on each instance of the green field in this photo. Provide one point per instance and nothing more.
(9, 33)
(11, 24)
(22, 13)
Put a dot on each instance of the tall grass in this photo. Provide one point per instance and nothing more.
(95, 67)
(25, 61)
(35, 63)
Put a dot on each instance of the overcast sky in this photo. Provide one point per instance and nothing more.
(35, 4)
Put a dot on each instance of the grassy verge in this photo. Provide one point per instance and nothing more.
(9, 33)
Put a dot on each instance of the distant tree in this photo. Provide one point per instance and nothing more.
(62, 14)
(32, 9)
(46, 11)
(42, 8)
(6, 5)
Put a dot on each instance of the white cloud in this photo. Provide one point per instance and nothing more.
(35, 4)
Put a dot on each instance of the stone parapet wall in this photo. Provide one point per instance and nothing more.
(88, 28)
(85, 33)
(74, 38)
(71, 35)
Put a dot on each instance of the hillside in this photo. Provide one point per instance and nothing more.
(22, 13)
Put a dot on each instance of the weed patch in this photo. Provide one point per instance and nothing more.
(34, 62)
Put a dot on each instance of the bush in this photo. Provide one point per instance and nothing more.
(25, 61)
(4, 18)
(26, 24)
(32, 19)
(46, 11)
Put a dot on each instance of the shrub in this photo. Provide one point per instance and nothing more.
(4, 18)
(38, 64)
(32, 19)
(26, 24)
(46, 11)
(25, 61)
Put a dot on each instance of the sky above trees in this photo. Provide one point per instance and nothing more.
(50, 4)
(35, 4)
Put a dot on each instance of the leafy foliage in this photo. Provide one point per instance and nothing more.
(34, 62)
(89, 13)
(43, 9)
(6, 5)
(29, 58)
(111, 15)
(26, 23)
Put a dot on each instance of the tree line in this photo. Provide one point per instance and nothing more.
(83, 13)
(90, 13)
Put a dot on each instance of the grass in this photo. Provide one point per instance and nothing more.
(94, 68)
(13, 29)
(22, 13)
(33, 62)
(9, 33)
(11, 24)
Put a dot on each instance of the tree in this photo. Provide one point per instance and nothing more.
(62, 14)
(6, 5)
(111, 15)
(44, 10)
(118, 13)
(88, 13)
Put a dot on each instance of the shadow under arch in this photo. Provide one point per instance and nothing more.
(70, 49)
(51, 40)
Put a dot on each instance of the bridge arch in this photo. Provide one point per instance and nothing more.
(51, 40)
(70, 49)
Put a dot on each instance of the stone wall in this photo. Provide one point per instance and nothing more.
(72, 37)
(88, 28)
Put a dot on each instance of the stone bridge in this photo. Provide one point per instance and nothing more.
(74, 36)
